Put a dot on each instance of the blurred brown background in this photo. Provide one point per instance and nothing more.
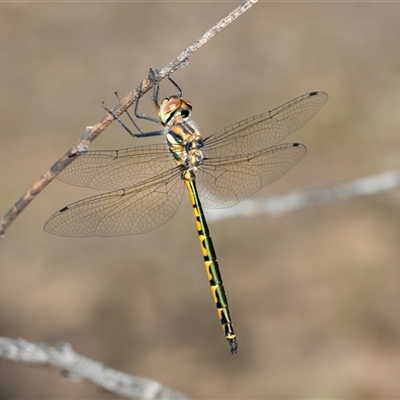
(315, 294)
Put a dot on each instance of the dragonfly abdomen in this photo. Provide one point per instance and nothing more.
(211, 264)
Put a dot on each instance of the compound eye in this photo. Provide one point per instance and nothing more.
(172, 104)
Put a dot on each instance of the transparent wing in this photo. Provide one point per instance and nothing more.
(224, 182)
(130, 211)
(117, 169)
(264, 130)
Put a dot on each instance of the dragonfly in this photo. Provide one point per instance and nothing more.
(145, 185)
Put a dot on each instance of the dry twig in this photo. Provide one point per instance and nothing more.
(276, 206)
(76, 367)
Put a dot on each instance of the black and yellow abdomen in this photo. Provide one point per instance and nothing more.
(211, 263)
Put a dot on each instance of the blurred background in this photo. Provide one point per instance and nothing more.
(315, 294)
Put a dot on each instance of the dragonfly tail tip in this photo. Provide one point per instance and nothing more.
(233, 344)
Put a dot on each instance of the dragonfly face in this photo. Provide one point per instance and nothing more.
(145, 188)
(173, 110)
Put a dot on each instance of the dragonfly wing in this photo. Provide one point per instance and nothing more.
(264, 130)
(225, 182)
(130, 211)
(117, 169)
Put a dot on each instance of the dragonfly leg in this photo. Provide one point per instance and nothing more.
(153, 76)
(140, 133)
(176, 85)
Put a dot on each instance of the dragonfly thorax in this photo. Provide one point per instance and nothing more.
(185, 143)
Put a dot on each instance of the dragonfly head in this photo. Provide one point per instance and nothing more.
(174, 110)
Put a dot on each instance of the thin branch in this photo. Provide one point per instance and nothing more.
(76, 367)
(92, 132)
(276, 206)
